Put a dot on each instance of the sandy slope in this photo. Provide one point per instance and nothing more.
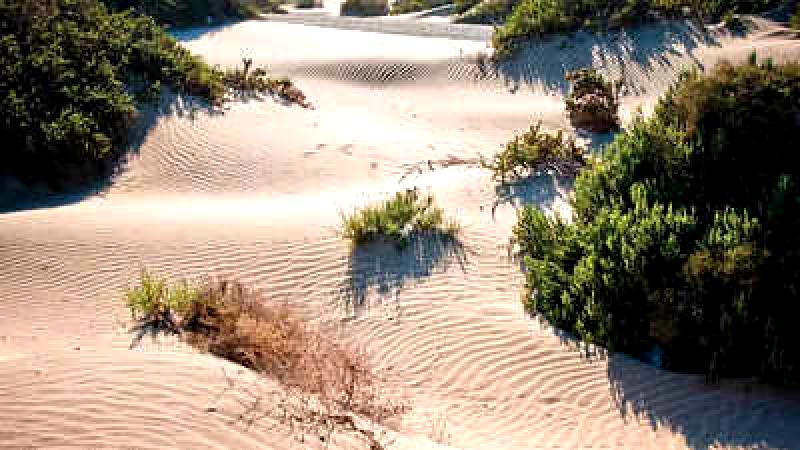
(256, 193)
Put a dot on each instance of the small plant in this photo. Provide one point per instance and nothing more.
(397, 219)
(593, 102)
(245, 82)
(306, 4)
(408, 6)
(155, 301)
(534, 151)
(364, 8)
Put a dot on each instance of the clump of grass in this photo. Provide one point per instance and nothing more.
(397, 219)
(155, 301)
(409, 6)
(364, 8)
(535, 151)
(593, 102)
(325, 382)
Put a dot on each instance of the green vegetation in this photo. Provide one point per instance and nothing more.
(487, 11)
(535, 151)
(189, 12)
(685, 236)
(71, 75)
(397, 219)
(364, 8)
(325, 382)
(408, 6)
(794, 21)
(536, 18)
(155, 301)
(593, 102)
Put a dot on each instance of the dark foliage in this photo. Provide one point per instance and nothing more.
(188, 12)
(684, 236)
(593, 102)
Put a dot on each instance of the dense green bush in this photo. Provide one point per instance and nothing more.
(593, 102)
(535, 151)
(188, 12)
(684, 238)
(364, 8)
(69, 73)
(536, 18)
(397, 219)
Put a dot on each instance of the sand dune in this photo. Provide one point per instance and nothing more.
(256, 193)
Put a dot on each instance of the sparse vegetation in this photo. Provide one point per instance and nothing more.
(535, 151)
(397, 219)
(408, 6)
(794, 21)
(487, 11)
(683, 238)
(536, 18)
(326, 384)
(593, 102)
(192, 12)
(66, 115)
(364, 8)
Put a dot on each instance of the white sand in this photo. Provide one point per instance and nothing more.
(256, 193)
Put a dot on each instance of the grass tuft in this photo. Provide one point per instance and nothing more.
(535, 151)
(397, 219)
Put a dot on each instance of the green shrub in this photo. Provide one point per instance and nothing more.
(684, 235)
(154, 300)
(593, 102)
(192, 12)
(487, 11)
(536, 18)
(534, 151)
(408, 6)
(65, 115)
(794, 21)
(397, 219)
(364, 8)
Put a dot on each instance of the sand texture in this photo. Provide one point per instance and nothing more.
(256, 193)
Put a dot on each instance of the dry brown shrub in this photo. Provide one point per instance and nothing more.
(328, 385)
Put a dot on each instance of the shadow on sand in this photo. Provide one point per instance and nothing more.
(644, 51)
(387, 269)
(732, 414)
(18, 196)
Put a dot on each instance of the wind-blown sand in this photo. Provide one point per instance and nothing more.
(256, 193)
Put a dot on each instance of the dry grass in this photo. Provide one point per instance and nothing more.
(326, 385)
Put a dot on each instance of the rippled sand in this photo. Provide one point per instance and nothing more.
(256, 193)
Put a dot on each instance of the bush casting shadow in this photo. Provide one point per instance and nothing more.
(387, 269)
(733, 414)
(544, 63)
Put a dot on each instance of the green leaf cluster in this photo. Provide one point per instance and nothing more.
(535, 18)
(684, 235)
(70, 76)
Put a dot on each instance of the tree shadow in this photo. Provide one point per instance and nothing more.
(385, 268)
(18, 195)
(642, 51)
(740, 414)
(542, 190)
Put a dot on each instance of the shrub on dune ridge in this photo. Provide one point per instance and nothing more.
(364, 8)
(536, 18)
(397, 219)
(326, 385)
(593, 102)
(682, 237)
(535, 151)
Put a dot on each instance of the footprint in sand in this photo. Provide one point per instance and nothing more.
(346, 149)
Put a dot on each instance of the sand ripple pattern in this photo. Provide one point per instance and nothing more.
(256, 193)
